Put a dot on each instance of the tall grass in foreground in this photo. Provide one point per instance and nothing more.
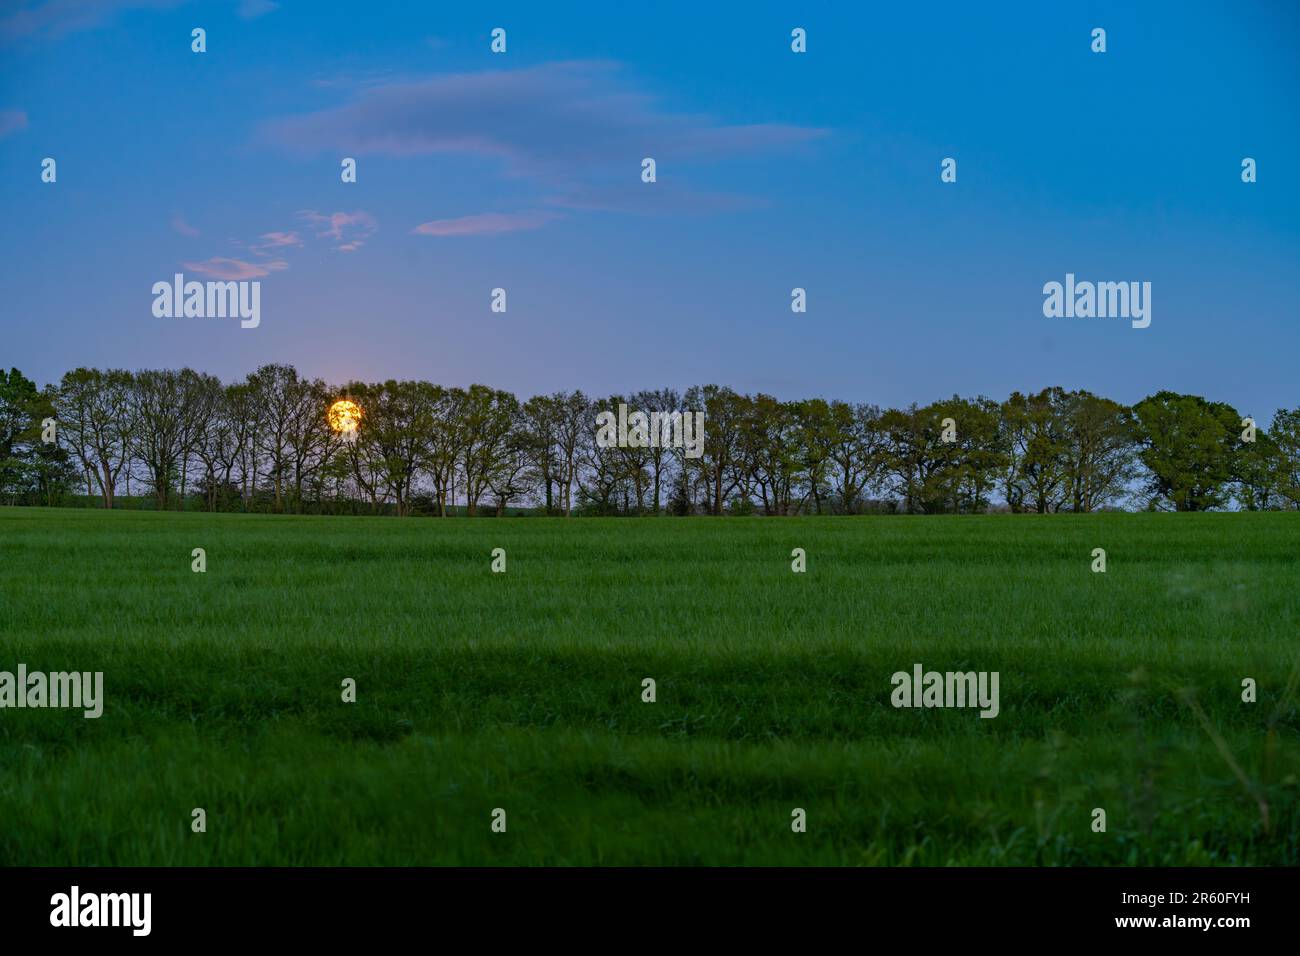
(523, 690)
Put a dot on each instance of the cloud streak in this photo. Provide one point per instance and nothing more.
(235, 269)
(556, 121)
(485, 224)
(277, 240)
(576, 128)
(51, 19)
(252, 9)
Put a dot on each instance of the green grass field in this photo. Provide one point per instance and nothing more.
(523, 690)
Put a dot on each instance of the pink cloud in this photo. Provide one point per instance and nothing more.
(272, 239)
(234, 269)
(485, 224)
(276, 240)
(349, 229)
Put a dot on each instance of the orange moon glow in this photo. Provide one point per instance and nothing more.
(345, 416)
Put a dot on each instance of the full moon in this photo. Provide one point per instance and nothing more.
(344, 416)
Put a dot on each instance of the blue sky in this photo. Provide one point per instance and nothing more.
(775, 170)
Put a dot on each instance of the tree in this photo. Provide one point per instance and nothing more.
(1036, 439)
(1187, 445)
(922, 468)
(630, 462)
(659, 457)
(489, 415)
(604, 465)
(538, 434)
(215, 446)
(765, 446)
(30, 468)
(201, 394)
(979, 452)
(856, 452)
(1260, 471)
(1099, 459)
(814, 439)
(513, 476)
(397, 428)
(310, 439)
(445, 444)
(164, 405)
(281, 395)
(243, 413)
(1285, 433)
(51, 466)
(18, 431)
(94, 411)
(720, 463)
(574, 421)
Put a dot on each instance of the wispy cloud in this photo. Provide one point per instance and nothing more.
(234, 269)
(555, 121)
(349, 230)
(183, 227)
(51, 19)
(485, 224)
(578, 129)
(252, 9)
(353, 80)
(666, 198)
(276, 240)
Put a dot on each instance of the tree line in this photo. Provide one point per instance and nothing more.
(184, 439)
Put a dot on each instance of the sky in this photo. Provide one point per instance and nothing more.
(774, 170)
